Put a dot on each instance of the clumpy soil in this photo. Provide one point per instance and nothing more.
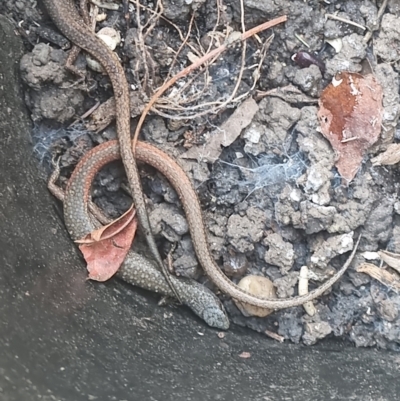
(273, 200)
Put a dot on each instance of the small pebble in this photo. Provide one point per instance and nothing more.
(258, 286)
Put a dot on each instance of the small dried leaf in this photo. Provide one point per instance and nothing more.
(350, 116)
(390, 258)
(109, 230)
(389, 157)
(105, 249)
(383, 276)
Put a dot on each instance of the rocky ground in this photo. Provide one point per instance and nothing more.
(272, 197)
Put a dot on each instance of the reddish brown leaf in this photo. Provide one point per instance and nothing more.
(350, 116)
(106, 248)
(108, 231)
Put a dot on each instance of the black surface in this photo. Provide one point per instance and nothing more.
(62, 338)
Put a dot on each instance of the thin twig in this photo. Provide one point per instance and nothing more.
(244, 47)
(181, 46)
(141, 46)
(169, 22)
(86, 114)
(151, 23)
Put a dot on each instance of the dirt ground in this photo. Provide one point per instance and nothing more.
(272, 197)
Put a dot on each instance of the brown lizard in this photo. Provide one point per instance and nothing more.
(78, 222)
(66, 17)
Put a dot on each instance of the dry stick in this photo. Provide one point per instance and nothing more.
(86, 114)
(181, 46)
(218, 105)
(257, 71)
(198, 63)
(211, 34)
(244, 48)
(180, 93)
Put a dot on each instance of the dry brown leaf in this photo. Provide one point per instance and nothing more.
(383, 276)
(109, 230)
(105, 249)
(226, 134)
(389, 157)
(350, 116)
(391, 259)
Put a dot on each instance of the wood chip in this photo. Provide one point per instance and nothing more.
(383, 276)
(303, 290)
(391, 259)
(274, 336)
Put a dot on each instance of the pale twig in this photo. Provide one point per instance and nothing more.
(86, 114)
(169, 22)
(186, 38)
(212, 107)
(346, 21)
(381, 10)
(298, 37)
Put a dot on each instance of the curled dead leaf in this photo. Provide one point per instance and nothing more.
(109, 230)
(105, 249)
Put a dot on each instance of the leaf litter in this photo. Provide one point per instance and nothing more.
(350, 116)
